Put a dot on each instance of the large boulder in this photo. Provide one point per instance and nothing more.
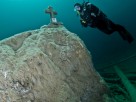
(49, 64)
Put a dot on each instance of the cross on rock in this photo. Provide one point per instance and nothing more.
(52, 13)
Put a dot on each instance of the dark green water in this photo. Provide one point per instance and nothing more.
(21, 15)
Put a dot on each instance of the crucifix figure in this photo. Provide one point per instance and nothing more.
(52, 13)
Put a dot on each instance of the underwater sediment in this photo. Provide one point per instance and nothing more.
(50, 64)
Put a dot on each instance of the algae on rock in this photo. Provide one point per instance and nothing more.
(49, 64)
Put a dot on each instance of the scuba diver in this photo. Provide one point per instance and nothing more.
(92, 16)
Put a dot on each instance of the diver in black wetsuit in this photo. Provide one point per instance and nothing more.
(92, 16)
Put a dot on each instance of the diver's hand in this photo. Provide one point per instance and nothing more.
(83, 23)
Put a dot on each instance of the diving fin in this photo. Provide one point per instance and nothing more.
(126, 36)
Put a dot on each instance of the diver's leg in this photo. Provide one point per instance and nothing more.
(124, 33)
(110, 27)
(107, 26)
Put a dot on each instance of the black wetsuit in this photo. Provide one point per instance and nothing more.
(95, 18)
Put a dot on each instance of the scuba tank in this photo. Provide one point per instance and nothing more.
(84, 4)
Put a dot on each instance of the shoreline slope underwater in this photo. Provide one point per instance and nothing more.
(50, 64)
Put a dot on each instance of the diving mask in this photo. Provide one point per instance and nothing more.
(77, 8)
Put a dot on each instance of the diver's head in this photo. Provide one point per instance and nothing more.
(78, 7)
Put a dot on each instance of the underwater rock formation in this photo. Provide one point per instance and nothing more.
(49, 64)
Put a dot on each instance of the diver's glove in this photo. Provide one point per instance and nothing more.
(84, 23)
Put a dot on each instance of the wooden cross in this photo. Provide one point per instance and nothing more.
(52, 13)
